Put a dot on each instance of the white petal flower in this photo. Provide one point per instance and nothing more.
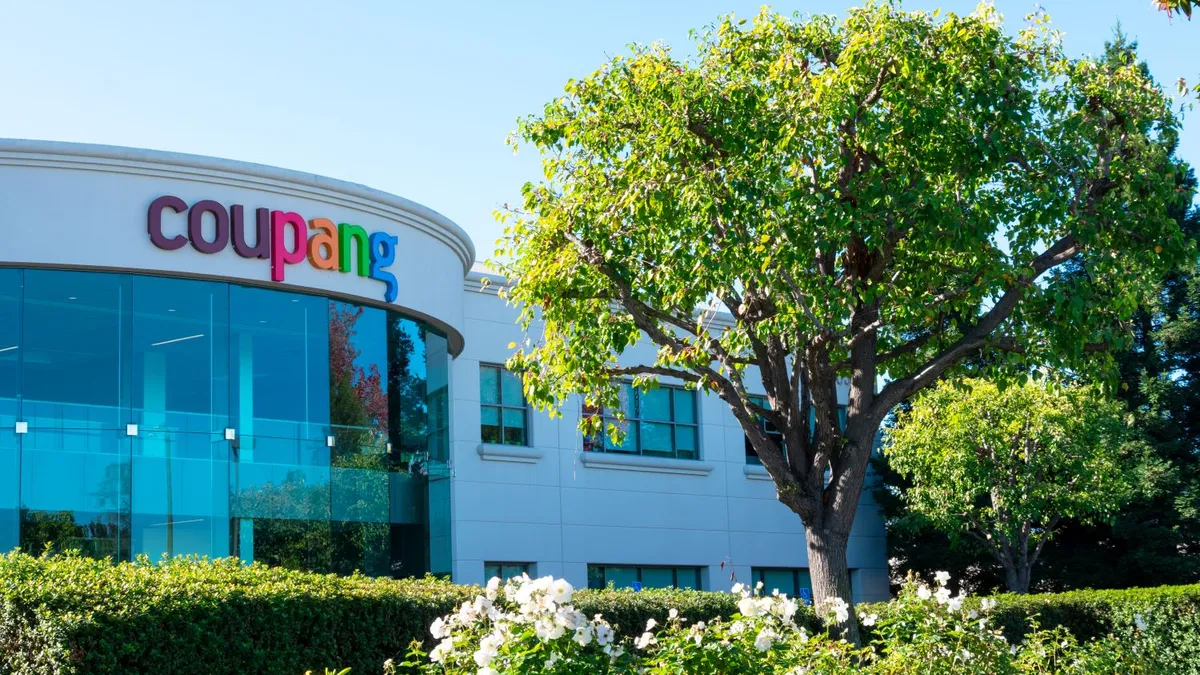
(673, 614)
(650, 624)
(987, 604)
(1139, 622)
(748, 606)
(869, 619)
(737, 589)
(942, 578)
(924, 593)
(764, 639)
(736, 628)
(438, 629)
(561, 591)
(645, 640)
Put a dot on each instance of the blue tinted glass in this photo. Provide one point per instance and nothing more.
(76, 378)
(75, 491)
(180, 494)
(279, 357)
(10, 359)
(180, 340)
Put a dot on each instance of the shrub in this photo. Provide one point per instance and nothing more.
(71, 614)
(1164, 622)
(530, 626)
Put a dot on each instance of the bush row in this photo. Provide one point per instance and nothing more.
(70, 614)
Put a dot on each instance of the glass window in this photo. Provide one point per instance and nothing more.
(795, 582)
(659, 422)
(83, 355)
(505, 570)
(770, 430)
(601, 576)
(503, 412)
(11, 282)
(76, 378)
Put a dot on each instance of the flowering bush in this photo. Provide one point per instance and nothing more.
(529, 626)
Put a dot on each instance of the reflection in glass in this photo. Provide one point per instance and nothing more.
(337, 460)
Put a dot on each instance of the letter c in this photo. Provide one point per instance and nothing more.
(154, 222)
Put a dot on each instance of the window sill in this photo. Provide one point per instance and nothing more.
(643, 464)
(756, 472)
(515, 454)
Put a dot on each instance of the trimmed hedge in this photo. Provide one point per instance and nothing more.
(1170, 618)
(71, 614)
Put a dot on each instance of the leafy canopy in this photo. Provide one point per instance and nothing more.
(901, 182)
(1011, 463)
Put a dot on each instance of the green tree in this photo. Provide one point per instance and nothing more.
(1006, 466)
(879, 196)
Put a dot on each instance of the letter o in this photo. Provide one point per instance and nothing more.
(195, 232)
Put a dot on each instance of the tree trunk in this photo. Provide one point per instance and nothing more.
(1017, 575)
(831, 577)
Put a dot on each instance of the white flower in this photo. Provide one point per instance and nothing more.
(486, 671)
(924, 593)
(942, 578)
(645, 640)
(604, 632)
(583, 636)
(942, 595)
(650, 624)
(987, 604)
(442, 650)
(554, 657)
(673, 614)
(838, 609)
(736, 628)
(488, 648)
(561, 591)
(1139, 622)
(764, 639)
(955, 603)
(748, 606)
(758, 586)
(493, 587)
(737, 589)
(868, 619)
(438, 629)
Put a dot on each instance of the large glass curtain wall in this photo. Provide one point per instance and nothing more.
(168, 416)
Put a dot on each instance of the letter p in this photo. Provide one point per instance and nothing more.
(280, 256)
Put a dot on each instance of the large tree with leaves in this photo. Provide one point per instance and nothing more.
(877, 197)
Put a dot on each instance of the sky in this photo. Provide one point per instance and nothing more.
(413, 98)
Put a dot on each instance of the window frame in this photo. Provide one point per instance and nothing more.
(526, 568)
(752, 458)
(598, 442)
(500, 406)
(675, 569)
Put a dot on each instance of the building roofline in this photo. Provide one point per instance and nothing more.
(199, 167)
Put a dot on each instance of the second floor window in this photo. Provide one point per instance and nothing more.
(773, 433)
(503, 413)
(660, 423)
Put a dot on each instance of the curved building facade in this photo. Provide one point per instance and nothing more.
(200, 356)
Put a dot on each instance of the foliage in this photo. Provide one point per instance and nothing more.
(71, 614)
(884, 194)
(1007, 465)
(1185, 7)
(529, 626)
(1157, 534)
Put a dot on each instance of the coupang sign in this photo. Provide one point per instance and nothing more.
(343, 248)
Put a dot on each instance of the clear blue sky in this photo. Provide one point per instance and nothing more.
(409, 97)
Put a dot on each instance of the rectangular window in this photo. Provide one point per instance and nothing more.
(795, 581)
(770, 430)
(503, 412)
(505, 570)
(660, 423)
(639, 577)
